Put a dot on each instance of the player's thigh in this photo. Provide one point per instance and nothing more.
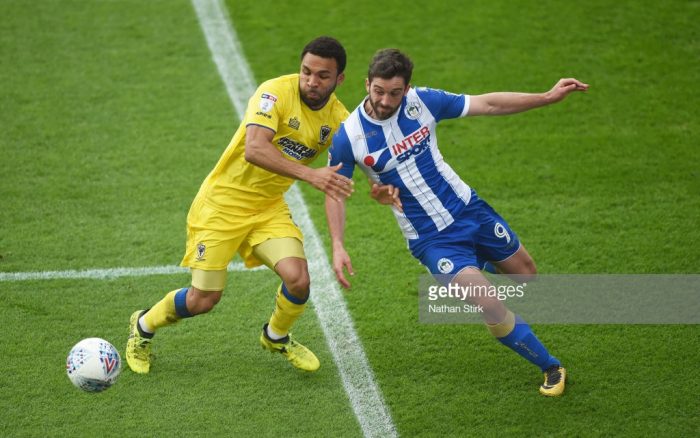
(471, 279)
(275, 237)
(281, 254)
(495, 240)
(208, 282)
(213, 237)
(519, 266)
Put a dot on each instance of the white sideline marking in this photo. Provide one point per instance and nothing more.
(101, 274)
(365, 398)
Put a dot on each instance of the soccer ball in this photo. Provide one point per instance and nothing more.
(93, 365)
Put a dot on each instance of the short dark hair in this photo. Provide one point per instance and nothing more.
(327, 47)
(389, 63)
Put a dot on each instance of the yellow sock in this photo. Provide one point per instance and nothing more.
(504, 327)
(287, 309)
(167, 311)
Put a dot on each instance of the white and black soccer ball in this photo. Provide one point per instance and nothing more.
(93, 365)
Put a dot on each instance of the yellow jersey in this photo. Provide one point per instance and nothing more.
(301, 134)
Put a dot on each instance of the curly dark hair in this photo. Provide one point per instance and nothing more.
(327, 47)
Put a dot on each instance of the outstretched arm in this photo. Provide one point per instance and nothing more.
(260, 151)
(501, 103)
(335, 215)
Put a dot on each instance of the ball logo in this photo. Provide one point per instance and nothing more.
(110, 363)
(445, 265)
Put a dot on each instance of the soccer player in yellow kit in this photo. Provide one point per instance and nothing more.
(240, 207)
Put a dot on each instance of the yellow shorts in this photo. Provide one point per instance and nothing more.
(214, 237)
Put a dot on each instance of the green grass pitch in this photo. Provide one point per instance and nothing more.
(113, 113)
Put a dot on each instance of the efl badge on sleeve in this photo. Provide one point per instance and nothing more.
(267, 101)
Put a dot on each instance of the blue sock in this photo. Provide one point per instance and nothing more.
(181, 303)
(524, 342)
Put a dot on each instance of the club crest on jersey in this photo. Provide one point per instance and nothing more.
(267, 101)
(413, 110)
(445, 265)
(325, 133)
(294, 123)
(201, 249)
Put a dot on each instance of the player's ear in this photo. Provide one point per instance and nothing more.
(405, 90)
(367, 85)
(341, 78)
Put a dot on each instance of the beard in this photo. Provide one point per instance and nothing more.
(382, 112)
(315, 99)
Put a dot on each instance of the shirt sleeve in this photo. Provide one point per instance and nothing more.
(443, 104)
(265, 107)
(341, 152)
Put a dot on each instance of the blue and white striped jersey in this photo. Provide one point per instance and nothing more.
(403, 151)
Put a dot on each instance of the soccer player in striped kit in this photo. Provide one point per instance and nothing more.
(392, 137)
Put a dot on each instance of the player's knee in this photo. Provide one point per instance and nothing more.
(298, 284)
(199, 302)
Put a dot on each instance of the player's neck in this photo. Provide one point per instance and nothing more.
(368, 108)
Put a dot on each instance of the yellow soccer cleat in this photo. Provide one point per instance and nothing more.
(298, 355)
(138, 348)
(554, 381)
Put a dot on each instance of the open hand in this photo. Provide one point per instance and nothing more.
(386, 194)
(341, 261)
(328, 180)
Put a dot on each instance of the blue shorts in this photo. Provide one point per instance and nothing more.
(478, 235)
